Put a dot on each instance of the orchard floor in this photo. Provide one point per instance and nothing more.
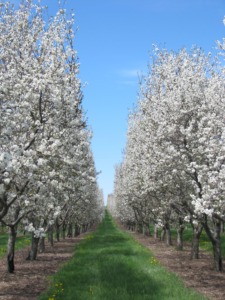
(197, 274)
(32, 278)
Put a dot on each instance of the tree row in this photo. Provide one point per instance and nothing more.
(48, 179)
(173, 169)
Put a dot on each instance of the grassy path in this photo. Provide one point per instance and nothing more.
(109, 264)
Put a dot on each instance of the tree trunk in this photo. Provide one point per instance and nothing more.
(34, 248)
(163, 234)
(136, 227)
(11, 249)
(216, 243)
(197, 231)
(77, 230)
(70, 230)
(57, 229)
(217, 256)
(168, 235)
(42, 244)
(149, 230)
(146, 229)
(156, 233)
(222, 227)
(50, 236)
(139, 228)
(143, 229)
(180, 231)
(64, 230)
(57, 234)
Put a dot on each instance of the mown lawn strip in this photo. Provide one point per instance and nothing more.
(110, 264)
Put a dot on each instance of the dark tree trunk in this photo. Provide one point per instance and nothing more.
(197, 231)
(222, 227)
(217, 256)
(139, 228)
(50, 236)
(57, 234)
(70, 230)
(12, 241)
(57, 229)
(128, 225)
(77, 230)
(11, 249)
(216, 243)
(34, 248)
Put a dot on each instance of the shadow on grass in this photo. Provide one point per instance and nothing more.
(125, 281)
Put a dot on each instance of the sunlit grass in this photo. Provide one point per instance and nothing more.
(109, 264)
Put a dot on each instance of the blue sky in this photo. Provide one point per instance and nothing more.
(113, 42)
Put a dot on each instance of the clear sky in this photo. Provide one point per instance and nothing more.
(113, 42)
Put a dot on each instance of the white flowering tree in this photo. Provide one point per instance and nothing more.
(175, 151)
(191, 133)
(124, 211)
(42, 128)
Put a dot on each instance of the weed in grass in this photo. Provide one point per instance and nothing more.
(154, 261)
(58, 291)
(89, 237)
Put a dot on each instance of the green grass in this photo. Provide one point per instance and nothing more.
(109, 264)
(21, 242)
